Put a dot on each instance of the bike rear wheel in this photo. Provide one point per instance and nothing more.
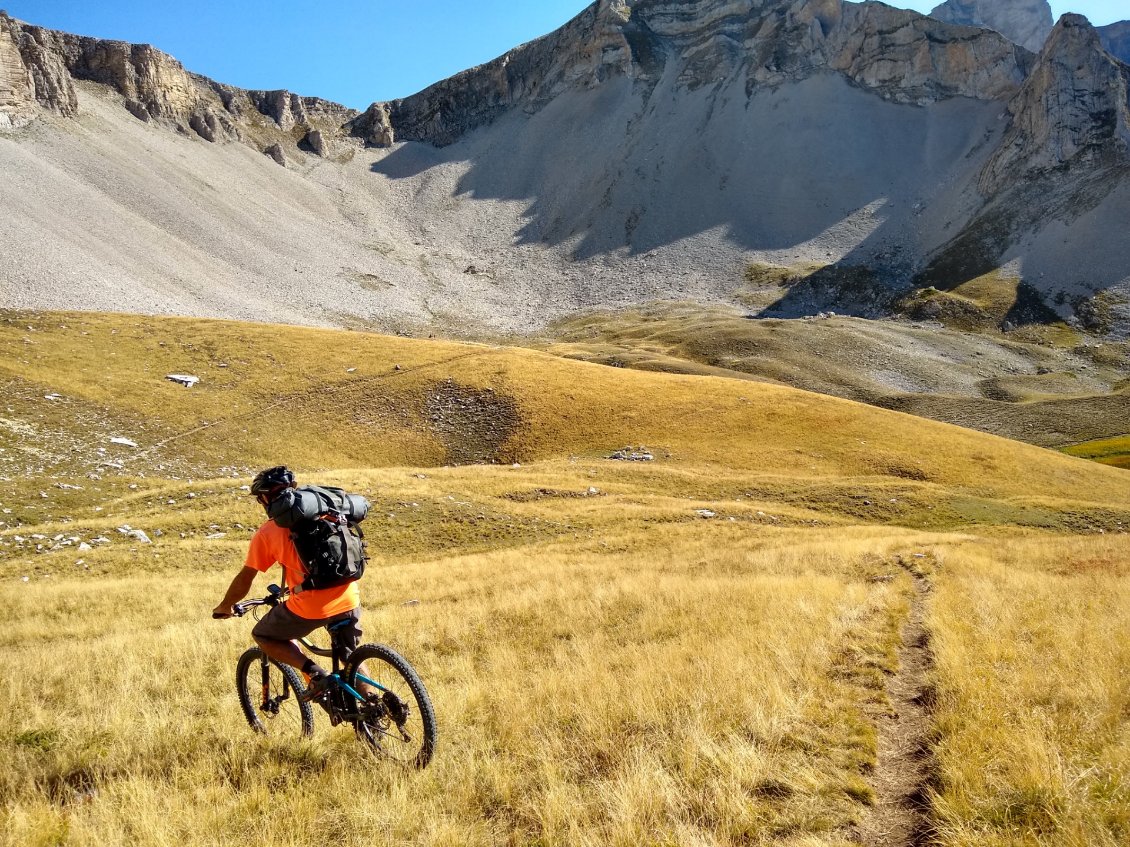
(268, 693)
(397, 719)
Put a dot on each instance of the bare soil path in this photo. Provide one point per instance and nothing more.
(906, 768)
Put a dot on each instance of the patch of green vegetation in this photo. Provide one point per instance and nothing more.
(994, 300)
(1031, 389)
(382, 247)
(1110, 354)
(1056, 334)
(43, 740)
(1107, 451)
(369, 282)
(783, 276)
(949, 309)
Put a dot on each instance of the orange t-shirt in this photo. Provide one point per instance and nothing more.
(271, 544)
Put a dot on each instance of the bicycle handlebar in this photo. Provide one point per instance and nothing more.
(276, 596)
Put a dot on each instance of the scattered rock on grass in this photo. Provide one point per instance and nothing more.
(139, 534)
(183, 379)
(633, 454)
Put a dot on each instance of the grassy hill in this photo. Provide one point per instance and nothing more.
(708, 647)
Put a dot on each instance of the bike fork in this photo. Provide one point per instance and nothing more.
(265, 668)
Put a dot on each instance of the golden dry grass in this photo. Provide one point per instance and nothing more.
(690, 651)
(1032, 641)
(622, 687)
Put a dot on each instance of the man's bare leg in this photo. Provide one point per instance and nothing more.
(286, 652)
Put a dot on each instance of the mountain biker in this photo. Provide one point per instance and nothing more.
(304, 611)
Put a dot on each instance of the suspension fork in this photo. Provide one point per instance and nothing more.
(265, 669)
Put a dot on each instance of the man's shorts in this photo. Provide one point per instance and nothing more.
(281, 624)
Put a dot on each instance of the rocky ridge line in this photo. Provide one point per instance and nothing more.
(899, 55)
(1059, 148)
(39, 67)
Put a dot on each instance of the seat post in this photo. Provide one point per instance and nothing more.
(336, 647)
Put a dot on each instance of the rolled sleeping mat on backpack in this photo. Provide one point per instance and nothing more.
(358, 507)
(303, 504)
(353, 506)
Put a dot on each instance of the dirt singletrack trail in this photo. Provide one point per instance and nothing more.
(906, 769)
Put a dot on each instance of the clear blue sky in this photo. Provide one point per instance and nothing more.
(350, 51)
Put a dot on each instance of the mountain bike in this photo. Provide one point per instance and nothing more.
(373, 688)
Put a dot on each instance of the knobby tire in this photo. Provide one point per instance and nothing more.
(376, 725)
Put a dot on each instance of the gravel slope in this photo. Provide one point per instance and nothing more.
(601, 199)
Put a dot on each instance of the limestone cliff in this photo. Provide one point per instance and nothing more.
(1072, 107)
(17, 98)
(34, 72)
(40, 66)
(896, 54)
(1026, 22)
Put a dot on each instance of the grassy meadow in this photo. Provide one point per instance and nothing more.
(692, 650)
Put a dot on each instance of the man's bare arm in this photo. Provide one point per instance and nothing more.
(238, 589)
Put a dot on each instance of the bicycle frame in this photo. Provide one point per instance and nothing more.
(336, 651)
(340, 658)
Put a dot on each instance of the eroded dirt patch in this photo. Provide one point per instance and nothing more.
(473, 424)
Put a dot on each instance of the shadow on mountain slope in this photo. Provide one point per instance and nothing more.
(617, 170)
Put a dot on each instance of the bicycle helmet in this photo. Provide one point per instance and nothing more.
(271, 481)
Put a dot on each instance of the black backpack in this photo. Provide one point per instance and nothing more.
(324, 524)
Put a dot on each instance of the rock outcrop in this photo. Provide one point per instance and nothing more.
(275, 152)
(35, 72)
(1025, 22)
(374, 127)
(1067, 145)
(17, 99)
(1073, 106)
(1116, 39)
(38, 67)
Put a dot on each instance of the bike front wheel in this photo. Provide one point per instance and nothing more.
(396, 718)
(268, 693)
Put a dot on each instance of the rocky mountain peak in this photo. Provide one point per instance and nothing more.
(1025, 22)
(1074, 104)
(1065, 150)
